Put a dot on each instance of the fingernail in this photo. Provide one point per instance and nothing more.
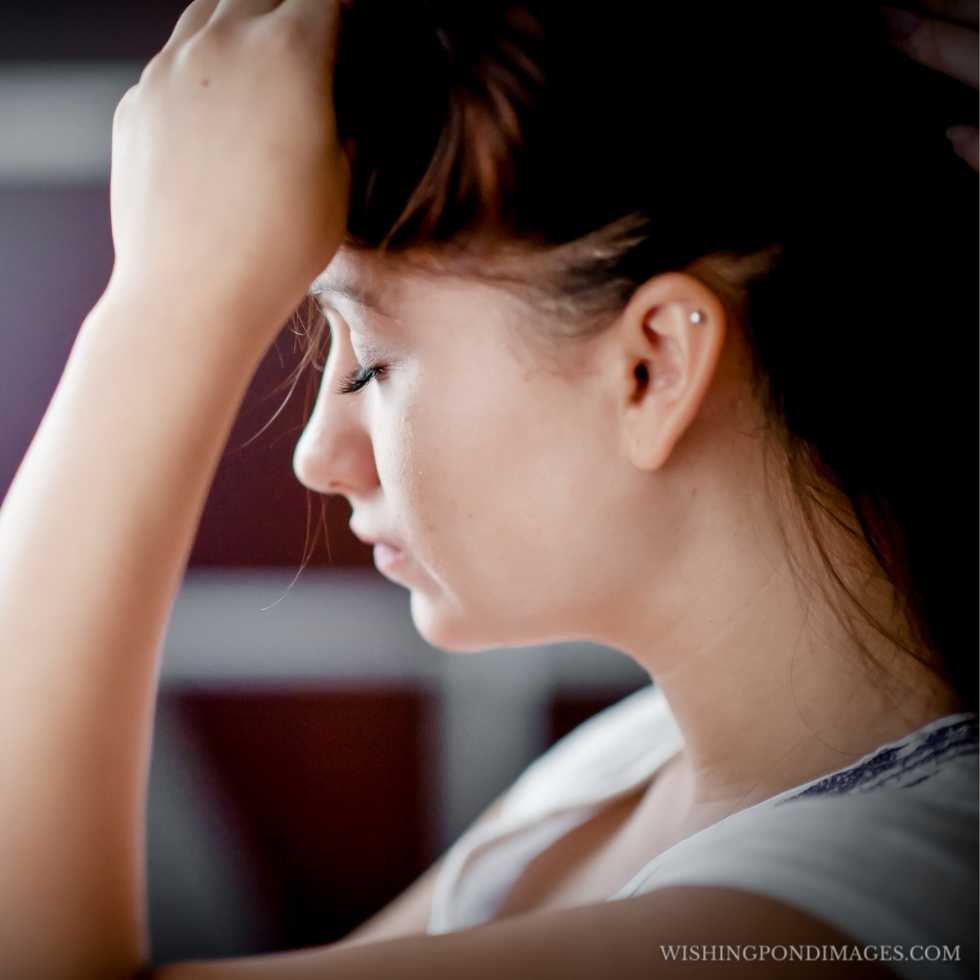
(899, 24)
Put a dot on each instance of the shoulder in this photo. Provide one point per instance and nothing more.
(893, 866)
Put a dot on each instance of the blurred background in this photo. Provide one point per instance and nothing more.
(312, 755)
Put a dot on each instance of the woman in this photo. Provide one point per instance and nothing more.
(645, 329)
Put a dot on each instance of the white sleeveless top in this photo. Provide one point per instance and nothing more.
(885, 849)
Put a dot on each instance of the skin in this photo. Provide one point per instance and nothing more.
(942, 35)
(534, 505)
(632, 514)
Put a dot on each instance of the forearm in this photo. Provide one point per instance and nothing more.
(94, 538)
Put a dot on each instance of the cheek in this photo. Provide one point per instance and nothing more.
(433, 468)
(490, 481)
(441, 453)
(414, 457)
(494, 482)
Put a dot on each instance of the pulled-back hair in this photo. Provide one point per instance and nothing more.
(783, 152)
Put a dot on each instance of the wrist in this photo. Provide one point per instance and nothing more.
(238, 319)
(192, 318)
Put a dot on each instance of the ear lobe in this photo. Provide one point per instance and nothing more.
(673, 330)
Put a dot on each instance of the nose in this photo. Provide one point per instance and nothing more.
(334, 454)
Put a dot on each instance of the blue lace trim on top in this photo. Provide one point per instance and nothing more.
(907, 764)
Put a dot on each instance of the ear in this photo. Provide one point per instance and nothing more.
(663, 362)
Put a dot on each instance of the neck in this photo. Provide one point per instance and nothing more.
(768, 687)
(768, 705)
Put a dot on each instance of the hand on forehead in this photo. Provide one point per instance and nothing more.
(319, 16)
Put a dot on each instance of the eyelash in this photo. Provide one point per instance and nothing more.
(359, 377)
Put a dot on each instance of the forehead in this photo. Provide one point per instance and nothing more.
(359, 279)
(460, 303)
(400, 288)
(434, 303)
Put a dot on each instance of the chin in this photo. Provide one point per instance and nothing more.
(447, 627)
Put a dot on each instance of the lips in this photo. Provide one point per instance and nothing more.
(386, 557)
(389, 555)
(371, 538)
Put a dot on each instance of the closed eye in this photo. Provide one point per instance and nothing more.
(359, 377)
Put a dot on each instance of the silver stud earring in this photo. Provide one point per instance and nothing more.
(697, 316)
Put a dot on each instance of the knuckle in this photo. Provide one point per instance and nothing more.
(189, 55)
(202, 51)
(283, 33)
(218, 35)
(149, 72)
(184, 20)
(207, 45)
(157, 66)
(123, 105)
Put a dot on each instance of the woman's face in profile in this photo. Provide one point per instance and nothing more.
(499, 477)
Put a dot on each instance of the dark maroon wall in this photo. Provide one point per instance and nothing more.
(85, 30)
(56, 256)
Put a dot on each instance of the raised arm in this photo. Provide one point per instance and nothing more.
(97, 526)
(94, 537)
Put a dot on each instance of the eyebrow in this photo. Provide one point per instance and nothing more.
(357, 294)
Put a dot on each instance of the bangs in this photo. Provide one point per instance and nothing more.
(490, 120)
(433, 109)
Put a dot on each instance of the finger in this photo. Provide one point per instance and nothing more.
(959, 11)
(321, 16)
(966, 144)
(234, 9)
(945, 47)
(194, 17)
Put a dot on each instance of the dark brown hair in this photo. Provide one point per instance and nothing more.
(789, 145)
